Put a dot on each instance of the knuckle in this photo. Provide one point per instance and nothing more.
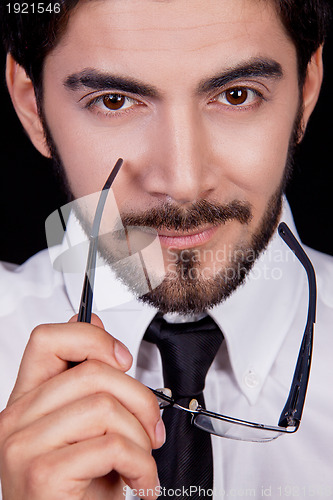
(117, 446)
(151, 467)
(116, 442)
(40, 335)
(148, 468)
(7, 420)
(122, 451)
(104, 403)
(12, 451)
(145, 442)
(121, 447)
(151, 404)
(37, 475)
(91, 369)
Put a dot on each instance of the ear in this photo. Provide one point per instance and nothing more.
(23, 97)
(312, 85)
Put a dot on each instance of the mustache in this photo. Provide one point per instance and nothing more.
(173, 217)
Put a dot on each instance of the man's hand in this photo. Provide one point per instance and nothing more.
(78, 433)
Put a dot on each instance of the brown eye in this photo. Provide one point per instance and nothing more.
(236, 96)
(114, 101)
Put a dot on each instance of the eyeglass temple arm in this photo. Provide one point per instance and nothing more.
(292, 412)
(84, 315)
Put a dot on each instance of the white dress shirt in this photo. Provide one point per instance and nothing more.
(262, 323)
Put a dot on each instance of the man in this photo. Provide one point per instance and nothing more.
(205, 102)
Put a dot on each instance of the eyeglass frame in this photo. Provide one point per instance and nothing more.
(291, 414)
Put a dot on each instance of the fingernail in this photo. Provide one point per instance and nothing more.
(122, 354)
(160, 433)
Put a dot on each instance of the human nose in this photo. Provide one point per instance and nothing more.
(181, 169)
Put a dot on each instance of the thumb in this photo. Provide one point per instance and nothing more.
(95, 320)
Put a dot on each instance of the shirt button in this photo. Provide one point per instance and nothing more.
(251, 379)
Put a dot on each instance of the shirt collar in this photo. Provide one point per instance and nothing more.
(254, 320)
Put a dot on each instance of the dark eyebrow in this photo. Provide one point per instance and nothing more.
(93, 79)
(264, 68)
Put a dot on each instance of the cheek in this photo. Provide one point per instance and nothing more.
(253, 154)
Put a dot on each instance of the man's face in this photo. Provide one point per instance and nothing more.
(200, 100)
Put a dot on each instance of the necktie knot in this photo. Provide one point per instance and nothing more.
(187, 351)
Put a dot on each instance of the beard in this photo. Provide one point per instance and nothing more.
(186, 289)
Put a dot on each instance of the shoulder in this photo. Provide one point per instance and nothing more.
(30, 294)
(33, 277)
(30, 285)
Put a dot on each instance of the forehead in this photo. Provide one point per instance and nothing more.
(176, 21)
(145, 35)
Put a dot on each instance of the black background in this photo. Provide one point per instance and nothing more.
(28, 192)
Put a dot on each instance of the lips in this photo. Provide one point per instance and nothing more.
(175, 239)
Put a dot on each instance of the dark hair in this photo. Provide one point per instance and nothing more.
(30, 36)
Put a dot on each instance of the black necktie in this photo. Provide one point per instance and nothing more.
(187, 350)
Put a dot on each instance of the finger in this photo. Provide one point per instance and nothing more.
(75, 466)
(85, 379)
(84, 419)
(50, 347)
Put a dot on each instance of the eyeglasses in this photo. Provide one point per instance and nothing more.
(215, 423)
(85, 308)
